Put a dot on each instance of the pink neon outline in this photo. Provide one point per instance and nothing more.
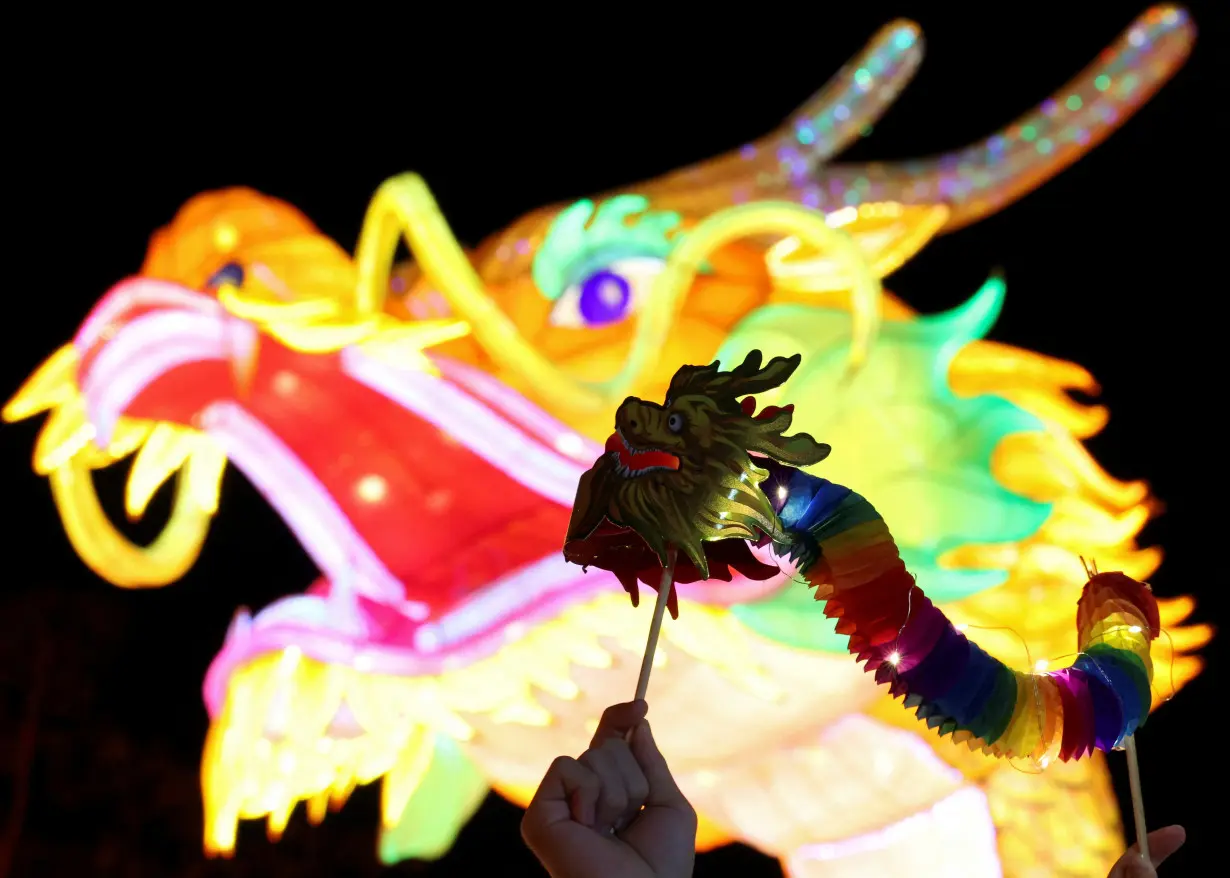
(301, 500)
(105, 405)
(471, 423)
(147, 348)
(385, 658)
(516, 406)
(331, 645)
(140, 292)
(156, 330)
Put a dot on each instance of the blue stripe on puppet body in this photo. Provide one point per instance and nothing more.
(1131, 682)
(964, 702)
(799, 490)
(1115, 692)
(1107, 711)
(827, 499)
(850, 512)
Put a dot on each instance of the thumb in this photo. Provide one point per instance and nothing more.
(1162, 843)
(663, 791)
(1135, 866)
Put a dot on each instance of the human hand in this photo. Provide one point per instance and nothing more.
(615, 812)
(1162, 843)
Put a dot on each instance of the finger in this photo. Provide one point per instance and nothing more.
(635, 783)
(1164, 842)
(613, 793)
(617, 720)
(1132, 865)
(569, 791)
(663, 791)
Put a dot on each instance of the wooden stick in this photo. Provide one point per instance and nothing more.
(655, 627)
(1138, 802)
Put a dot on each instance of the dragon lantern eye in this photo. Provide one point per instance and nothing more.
(675, 422)
(607, 294)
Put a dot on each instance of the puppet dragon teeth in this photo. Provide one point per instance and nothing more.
(632, 473)
(632, 461)
(634, 449)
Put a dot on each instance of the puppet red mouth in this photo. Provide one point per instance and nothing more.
(633, 461)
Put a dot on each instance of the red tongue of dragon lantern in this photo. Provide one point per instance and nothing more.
(684, 489)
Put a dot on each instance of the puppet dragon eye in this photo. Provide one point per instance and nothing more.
(675, 422)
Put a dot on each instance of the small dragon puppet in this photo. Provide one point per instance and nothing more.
(686, 488)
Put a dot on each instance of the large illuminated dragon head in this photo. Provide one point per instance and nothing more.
(573, 306)
(422, 429)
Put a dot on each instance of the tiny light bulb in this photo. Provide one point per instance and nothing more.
(781, 492)
(963, 627)
(1040, 665)
(894, 658)
(226, 237)
(1135, 629)
(371, 488)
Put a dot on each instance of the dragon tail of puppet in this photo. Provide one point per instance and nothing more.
(844, 549)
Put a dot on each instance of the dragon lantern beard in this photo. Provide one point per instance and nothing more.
(713, 492)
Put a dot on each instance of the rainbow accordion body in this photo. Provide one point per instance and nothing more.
(844, 549)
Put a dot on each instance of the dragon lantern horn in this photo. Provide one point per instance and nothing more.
(828, 122)
(974, 181)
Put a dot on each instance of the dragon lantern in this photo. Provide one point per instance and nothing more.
(421, 428)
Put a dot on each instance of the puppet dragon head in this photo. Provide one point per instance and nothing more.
(682, 473)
